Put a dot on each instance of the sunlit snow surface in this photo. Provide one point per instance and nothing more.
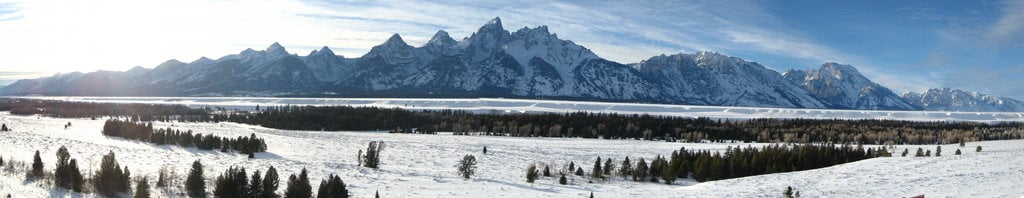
(424, 165)
(526, 105)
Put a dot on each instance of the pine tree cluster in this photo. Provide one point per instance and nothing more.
(145, 132)
(733, 163)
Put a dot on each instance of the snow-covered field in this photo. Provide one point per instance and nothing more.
(424, 165)
(526, 105)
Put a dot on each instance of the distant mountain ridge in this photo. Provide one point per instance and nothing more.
(947, 99)
(493, 62)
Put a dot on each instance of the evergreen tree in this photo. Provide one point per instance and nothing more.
(233, 183)
(332, 187)
(194, 183)
(572, 166)
(579, 171)
(270, 183)
(920, 152)
(485, 150)
(467, 166)
(1, 160)
(298, 186)
(928, 153)
(376, 194)
(256, 185)
(668, 173)
(627, 168)
(111, 180)
(788, 193)
(938, 151)
(640, 173)
(142, 188)
(957, 152)
(905, 151)
(562, 180)
(161, 178)
(608, 167)
(978, 149)
(4, 128)
(547, 171)
(654, 171)
(37, 167)
(531, 173)
(77, 181)
(372, 158)
(597, 173)
(126, 180)
(61, 174)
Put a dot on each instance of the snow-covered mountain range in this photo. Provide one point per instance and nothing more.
(493, 62)
(947, 99)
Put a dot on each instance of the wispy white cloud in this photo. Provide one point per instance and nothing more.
(1009, 28)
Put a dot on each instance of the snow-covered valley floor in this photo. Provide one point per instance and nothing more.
(424, 165)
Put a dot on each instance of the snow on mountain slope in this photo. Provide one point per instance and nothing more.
(424, 165)
(491, 62)
(947, 99)
(710, 78)
(842, 86)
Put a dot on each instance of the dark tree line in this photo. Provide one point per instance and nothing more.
(735, 162)
(145, 132)
(741, 162)
(140, 112)
(578, 124)
(620, 126)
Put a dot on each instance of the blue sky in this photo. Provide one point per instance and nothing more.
(904, 45)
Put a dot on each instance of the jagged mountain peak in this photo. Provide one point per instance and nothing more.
(494, 21)
(322, 51)
(394, 45)
(276, 48)
(538, 32)
(441, 38)
(395, 40)
(842, 86)
(840, 71)
(490, 36)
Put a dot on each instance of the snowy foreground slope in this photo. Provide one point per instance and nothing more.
(487, 105)
(424, 165)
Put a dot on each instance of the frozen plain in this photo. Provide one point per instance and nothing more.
(424, 165)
